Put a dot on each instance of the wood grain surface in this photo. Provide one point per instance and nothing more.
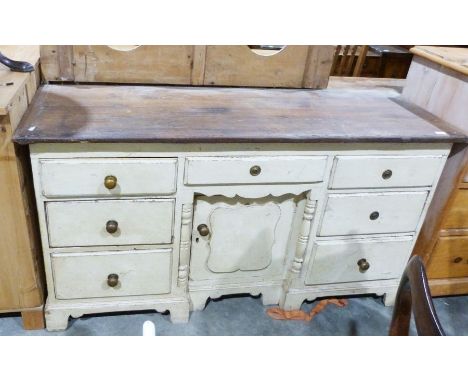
(179, 114)
(450, 57)
(21, 286)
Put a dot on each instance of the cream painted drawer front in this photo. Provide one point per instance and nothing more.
(85, 177)
(84, 223)
(241, 170)
(337, 261)
(366, 213)
(85, 275)
(385, 171)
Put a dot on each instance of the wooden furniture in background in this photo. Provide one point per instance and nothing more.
(394, 61)
(349, 60)
(294, 66)
(380, 61)
(21, 288)
(414, 297)
(220, 191)
(438, 82)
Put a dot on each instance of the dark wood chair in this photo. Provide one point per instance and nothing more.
(414, 297)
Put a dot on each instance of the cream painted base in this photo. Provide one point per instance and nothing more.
(290, 222)
(271, 293)
(293, 299)
(58, 313)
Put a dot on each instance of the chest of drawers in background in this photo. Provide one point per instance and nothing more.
(437, 82)
(21, 273)
(213, 192)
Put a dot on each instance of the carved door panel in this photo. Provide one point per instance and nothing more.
(237, 237)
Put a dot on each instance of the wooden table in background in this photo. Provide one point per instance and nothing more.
(21, 286)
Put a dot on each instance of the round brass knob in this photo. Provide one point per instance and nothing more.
(112, 226)
(112, 280)
(374, 215)
(387, 174)
(255, 170)
(110, 181)
(363, 265)
(203, 230)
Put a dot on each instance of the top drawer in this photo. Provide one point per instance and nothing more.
(385, 171)
(255, 170)
(107, 177)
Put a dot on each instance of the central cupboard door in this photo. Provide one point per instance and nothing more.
(238, 238)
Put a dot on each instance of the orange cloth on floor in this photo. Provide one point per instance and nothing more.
(281, 314)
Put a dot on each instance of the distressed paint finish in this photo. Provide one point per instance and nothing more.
(247, 237)
(135, 177)
(214, 137)
(282, 270)
(368, 213)
(280, 169)
(303, 239)
(185, 235)
(336, 261)
(84, 223)
(85, 275)
(411, 171)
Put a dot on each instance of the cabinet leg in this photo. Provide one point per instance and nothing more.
(56, 320)
(197, 301)
(33, 319)
(271, 297)
(389, 298)
(291, 302)
(180, 314)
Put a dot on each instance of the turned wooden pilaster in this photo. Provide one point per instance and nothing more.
(184, 248)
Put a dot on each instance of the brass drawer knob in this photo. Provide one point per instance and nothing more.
(203, 230)
(363, 265)
(387, 174)
(112, 226)
(374, 215)
(255, 170)
(110, 181)
(112, 280)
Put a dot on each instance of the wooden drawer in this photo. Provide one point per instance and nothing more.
(337, 261)
(449, 258)
(384, 171)
(242, 170)
(85, 223)
(366, 213)
(457, 215)
(85, 177)
(86, 275)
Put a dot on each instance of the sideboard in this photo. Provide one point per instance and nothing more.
(164, 197)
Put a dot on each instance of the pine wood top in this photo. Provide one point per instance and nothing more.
(62, 113)
(452, 58)
(29, 53)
